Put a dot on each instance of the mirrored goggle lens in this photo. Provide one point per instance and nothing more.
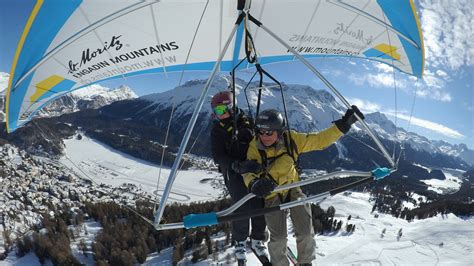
(265, 132)
(220, 109)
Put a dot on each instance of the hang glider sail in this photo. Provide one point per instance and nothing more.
(72, 44)
(67, 45)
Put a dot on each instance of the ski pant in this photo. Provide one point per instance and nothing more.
(240, 229)
(303, 229)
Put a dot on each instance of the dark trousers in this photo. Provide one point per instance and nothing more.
(240, 229)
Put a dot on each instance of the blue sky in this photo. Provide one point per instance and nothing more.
(443, 104)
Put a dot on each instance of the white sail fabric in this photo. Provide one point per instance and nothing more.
(67, 45)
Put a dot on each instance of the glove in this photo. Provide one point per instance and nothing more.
(247, 166)
(245, 134)
(262, 187)
(349, 118)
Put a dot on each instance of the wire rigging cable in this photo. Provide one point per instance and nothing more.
(174, 104)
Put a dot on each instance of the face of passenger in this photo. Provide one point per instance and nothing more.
(267, 137)
(222, 111)
(224, 116)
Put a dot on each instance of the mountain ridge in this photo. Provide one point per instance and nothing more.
(90, 97)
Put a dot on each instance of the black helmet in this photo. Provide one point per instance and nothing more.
(270, 119)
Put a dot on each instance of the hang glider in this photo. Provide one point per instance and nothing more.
(67, 45)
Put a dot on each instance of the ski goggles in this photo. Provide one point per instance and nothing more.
(221, 109)
(266, 132)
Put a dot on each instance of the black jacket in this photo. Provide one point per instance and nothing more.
(225, 149)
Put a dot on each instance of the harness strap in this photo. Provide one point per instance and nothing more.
(291, 149)
(227, 128)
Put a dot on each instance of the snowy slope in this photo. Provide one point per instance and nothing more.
(419, 244)
(87, 233)
(440, 240)
(106, 165)
(90, 97)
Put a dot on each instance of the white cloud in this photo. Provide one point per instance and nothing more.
(378, 80)
(434, 94)
(448, 33)
(370, 107)
(381, 79)
(3, 81)
(441, 73)
(432, 81)
(432, 126)
(383, 67)
(448, 38)
(365, 106)
(432, 86)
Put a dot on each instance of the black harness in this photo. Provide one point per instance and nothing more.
(291, 150)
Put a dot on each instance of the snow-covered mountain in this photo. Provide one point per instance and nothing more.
(308, 110)
(387, 129)
(90, 97)
(147, 118)
(458, 150)
(3, 82)
(3, 86)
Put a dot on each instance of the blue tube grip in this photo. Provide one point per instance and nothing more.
(380, 173)
(202, 219)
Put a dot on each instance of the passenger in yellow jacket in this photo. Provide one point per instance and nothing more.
(278, 154)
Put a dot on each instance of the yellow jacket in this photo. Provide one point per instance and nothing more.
(283, 169)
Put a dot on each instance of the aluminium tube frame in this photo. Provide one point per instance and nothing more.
(308, 181)
(189, 129)
(331, 87)
(249, 196)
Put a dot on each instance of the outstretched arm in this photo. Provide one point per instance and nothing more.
(306, 142)
(321, 140)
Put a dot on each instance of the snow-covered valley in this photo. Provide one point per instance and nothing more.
(440, 240)
(444, 239)
(92, 159)
(378, 238)
(31, 183)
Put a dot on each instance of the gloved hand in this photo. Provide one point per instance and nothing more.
(247, 166)
(349, 118)
(245, 134)
(262, 187)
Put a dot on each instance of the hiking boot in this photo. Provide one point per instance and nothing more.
(259, 248)
(240, 251)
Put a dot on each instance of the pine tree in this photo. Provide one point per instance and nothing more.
(331, 211)
(83, 247)
(178, 252)
(348, 228)
(208, 243)
(339, 225)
